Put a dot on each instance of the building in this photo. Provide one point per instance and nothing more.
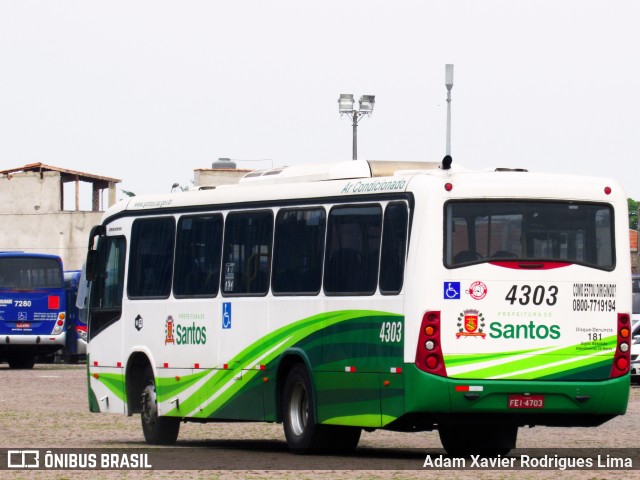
(37, 216)
(222, 172)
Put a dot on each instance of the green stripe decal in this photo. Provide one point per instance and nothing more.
(114, 382)
(359, 420)
(552, 362)
(170, 387)
(217, 388)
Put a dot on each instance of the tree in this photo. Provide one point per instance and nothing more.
(633, 213)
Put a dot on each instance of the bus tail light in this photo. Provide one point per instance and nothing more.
(59, 325)
(429, 352)
(622, 356)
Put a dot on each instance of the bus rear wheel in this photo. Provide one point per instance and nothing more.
(300, 429)
(488, 440)
(302, 432)
(157, 430)
(23, 361)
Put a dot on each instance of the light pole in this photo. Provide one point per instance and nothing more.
(345, 107)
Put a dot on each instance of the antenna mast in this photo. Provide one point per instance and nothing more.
(448, 81)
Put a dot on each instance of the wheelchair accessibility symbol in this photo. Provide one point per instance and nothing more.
(226, 315)
(452, 290)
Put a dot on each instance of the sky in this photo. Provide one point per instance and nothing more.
(148, 91)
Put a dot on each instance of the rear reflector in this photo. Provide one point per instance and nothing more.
(469, 388)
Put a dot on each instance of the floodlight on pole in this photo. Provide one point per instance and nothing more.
(345, 103)
(448, 82)
(365, 107)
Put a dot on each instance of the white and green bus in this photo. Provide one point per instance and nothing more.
(365, 295)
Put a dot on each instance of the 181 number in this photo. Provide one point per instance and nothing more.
(537, 295)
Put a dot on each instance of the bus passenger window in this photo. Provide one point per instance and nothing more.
(353, 250)
(151, 259)
(198, 255)
(298, 251)
(394, 248)
(247, 253)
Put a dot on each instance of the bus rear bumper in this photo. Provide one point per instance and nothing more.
(30, 344)
(551, 403)
(59, 339)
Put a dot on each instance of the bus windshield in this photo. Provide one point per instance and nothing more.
(29, 273)
(487, 231)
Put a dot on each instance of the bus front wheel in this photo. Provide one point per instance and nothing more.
(157, 430)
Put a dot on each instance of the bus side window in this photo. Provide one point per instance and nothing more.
(151, 259)
(394, 248)
(353, 250)
(247, 252)
(198, 255)
(298, 251)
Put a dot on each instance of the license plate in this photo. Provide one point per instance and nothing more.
(526, 401)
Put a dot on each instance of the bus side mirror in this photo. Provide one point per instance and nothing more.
(92, 255)
(92, 265)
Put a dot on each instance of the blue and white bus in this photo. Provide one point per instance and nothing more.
(32, 307)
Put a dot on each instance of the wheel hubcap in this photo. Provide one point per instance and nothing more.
(299, 409)
(149, 405)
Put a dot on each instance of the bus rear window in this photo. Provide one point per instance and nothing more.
(484, 231)
(27, 273)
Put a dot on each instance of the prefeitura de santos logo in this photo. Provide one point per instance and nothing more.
(471, 324)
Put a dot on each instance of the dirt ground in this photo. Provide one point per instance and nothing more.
(47, 408)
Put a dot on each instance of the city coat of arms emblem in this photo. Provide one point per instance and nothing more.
(470, 324)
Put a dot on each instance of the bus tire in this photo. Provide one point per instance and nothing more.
(463, 441)
(157, 430)
(23, 361)
(302, 432)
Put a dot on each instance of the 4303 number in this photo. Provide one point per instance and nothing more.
(391, 332)
(525, 294)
